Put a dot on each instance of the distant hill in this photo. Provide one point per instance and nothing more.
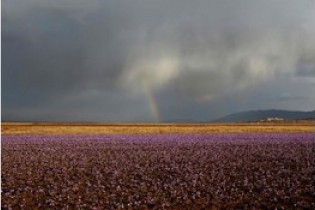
(264, 114)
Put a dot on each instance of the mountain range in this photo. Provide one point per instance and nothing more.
(264, 114)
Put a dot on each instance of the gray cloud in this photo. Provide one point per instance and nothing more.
(306, 67)
(73, 60)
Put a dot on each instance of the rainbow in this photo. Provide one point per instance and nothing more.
(152, 101)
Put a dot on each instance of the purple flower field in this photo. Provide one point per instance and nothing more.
(159, 171)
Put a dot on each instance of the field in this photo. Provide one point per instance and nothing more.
(81, 128)
(189, 167)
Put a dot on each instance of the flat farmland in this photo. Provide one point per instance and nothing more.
(243, 166)
(77, 128)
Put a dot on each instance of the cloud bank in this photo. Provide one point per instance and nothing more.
(95, 60)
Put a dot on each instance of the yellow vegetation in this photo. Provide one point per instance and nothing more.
(62, 128)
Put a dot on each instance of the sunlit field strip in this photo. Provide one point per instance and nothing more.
(152, 128)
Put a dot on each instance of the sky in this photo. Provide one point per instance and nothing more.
(155, 60)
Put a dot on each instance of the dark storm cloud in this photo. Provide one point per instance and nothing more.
(57, 52)
(91, 60)
(306, 68)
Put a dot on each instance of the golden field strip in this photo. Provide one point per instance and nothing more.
(140, 128)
